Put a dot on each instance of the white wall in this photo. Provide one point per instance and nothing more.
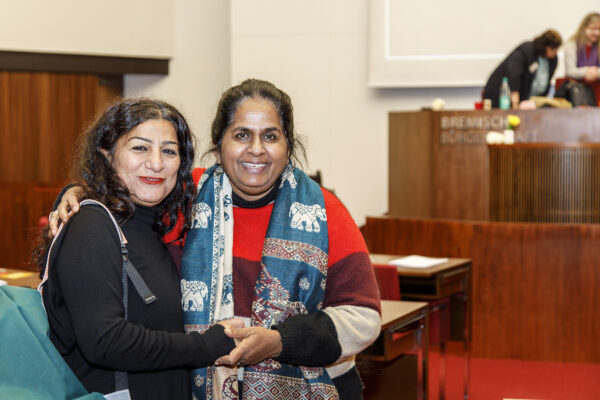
(199, 69)
(107, 27)
(193, 33)
(459, 41)
(317, 51)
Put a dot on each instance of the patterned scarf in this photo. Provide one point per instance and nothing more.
(292, 281)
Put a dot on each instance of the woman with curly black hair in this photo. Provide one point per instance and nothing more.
(136, 159)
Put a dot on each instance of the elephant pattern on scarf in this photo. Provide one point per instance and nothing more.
(305, 217)
(288, 176)
(193, 295)
(201, 213)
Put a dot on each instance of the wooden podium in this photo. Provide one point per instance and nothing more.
(439, 162)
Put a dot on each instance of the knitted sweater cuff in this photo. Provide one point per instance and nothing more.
(309, 340)
(217, 343)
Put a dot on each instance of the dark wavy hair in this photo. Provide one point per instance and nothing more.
(550, 38)
(99, 180)
(233, 97)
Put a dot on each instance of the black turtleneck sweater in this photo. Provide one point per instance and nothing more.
(83, 299)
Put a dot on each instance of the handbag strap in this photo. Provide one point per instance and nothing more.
(121, 379)
(129, 270)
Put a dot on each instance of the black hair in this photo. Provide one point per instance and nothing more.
(93, 170)
(233, 97)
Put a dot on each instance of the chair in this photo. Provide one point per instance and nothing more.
(438, 315)
(595, 86)
(387, 281)
(439, 310)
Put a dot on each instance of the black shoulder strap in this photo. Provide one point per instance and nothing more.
(128, 271)
(121, 379)
(138, 282)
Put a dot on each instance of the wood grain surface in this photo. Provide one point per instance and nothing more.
(534, 286)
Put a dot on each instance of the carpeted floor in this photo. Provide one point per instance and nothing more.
(493, 379)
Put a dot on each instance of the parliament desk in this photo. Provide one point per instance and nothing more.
(443, 285)
(17, 277)
(390, 371)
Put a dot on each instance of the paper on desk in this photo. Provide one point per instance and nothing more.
(416, 261)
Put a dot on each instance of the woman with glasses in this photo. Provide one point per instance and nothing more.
(582, 58)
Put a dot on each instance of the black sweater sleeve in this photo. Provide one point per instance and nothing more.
(88, 269)
(61, 194)
(318, 347)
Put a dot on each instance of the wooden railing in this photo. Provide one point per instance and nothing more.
(545, 182)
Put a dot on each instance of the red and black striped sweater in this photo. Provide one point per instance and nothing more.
(350, 317)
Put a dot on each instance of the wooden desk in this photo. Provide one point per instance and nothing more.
(17, 277)
(403, 332)
(431, 283)
(449, 280)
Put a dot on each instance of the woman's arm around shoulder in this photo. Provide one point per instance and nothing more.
(88, 267)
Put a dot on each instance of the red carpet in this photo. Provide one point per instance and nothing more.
(492, 379)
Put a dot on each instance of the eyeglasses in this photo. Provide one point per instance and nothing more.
(593, 29)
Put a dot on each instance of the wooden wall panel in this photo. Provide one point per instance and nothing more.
(21, 206)
(410, 170)
(536, 291)
(41, 116)
(534, 286)
(418, 236)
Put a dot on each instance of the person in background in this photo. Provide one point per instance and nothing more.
(279, 252)
(582, 58)
(136, 159)
(529, 69)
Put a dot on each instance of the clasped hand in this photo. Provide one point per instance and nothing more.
(253, 345)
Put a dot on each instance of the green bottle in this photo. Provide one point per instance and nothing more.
(504, 100)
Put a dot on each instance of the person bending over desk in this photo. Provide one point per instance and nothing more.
(529, 69)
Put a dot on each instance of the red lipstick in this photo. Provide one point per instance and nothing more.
(151, 181)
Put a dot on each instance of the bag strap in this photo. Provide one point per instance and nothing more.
(128, 271)
(138, 282)
(121, 379)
